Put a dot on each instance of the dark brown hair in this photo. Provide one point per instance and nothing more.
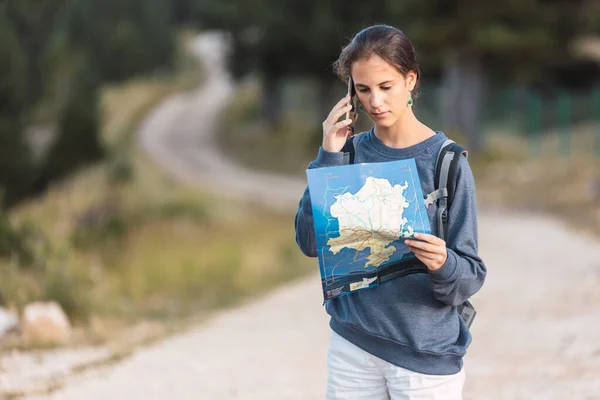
(385, 41)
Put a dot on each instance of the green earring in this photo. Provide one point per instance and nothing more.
(360, 107)
(410, 101)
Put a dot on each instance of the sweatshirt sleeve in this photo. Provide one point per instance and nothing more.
(303, 222)
(464, 272)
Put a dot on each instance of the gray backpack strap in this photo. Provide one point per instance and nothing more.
(446, 170)
(349, 150)
(444, 147)
(440, 190)
(445, 180)
(442, 183)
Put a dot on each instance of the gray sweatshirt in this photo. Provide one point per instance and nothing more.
(410, 321)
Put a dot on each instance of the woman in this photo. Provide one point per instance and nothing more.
(403, 339)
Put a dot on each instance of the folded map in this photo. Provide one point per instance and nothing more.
(362, 214)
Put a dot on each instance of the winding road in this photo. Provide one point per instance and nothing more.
(536, 336)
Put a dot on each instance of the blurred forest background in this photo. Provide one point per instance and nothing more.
(89, 222)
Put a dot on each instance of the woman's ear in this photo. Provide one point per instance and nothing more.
(411, 80)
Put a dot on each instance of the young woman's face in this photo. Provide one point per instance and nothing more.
(382, 90)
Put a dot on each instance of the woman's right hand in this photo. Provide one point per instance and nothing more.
(335, 133)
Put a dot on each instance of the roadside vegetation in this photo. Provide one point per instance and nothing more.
(121, 243)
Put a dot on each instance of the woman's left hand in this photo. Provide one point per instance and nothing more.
(430, 249)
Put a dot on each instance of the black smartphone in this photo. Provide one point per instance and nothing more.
(353, 113)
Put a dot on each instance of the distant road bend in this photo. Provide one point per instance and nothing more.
(180, 135)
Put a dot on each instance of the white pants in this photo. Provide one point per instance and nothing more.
(352, 373)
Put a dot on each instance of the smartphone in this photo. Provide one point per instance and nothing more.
(353, 113)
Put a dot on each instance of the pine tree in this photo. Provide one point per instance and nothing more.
(15, 159)
(78, 142)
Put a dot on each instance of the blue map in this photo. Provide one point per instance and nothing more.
(362, 214)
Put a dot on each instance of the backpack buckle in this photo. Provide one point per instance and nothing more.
(435, 196)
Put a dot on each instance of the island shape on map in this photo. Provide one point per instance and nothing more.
(371, 218)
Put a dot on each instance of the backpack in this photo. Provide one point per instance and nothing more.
(446, 169)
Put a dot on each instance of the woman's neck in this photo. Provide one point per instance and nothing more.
(406, 132)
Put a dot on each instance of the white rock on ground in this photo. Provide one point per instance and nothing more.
(45, 323)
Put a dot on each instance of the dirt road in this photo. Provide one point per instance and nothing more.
(180, 136)
(536, 336)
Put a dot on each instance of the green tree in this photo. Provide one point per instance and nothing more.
(43, 48)
(92, 43)
(33, 22)
(78, 140)
(516, 41)
(469, 41)
(121, 37)
(157, 28)
(292, 37)
(15, 159)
